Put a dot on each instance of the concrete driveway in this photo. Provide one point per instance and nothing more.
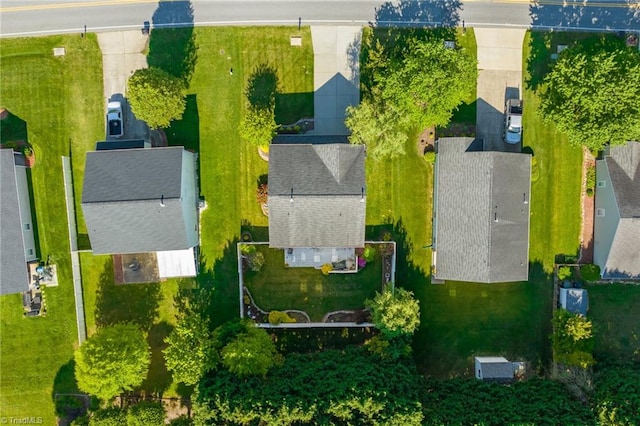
(336, 80)
(499, 78)
(122, 56)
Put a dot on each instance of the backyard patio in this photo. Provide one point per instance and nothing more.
(278, 286)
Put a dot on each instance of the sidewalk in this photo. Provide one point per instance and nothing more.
(336, 80)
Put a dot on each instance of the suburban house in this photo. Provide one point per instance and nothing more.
(617, 215)
(574, 300)
(494, 369)
(481, 213)
(142, 205)
(17, 241)
(317, 202)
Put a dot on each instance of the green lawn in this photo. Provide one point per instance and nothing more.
(62, 110)
(466, 112)
(306, 289)
(230, 168)
(614, 309)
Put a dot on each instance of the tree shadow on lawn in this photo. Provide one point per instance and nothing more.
(134, 303)
(186, 131)
(172, 45)
(66, 396)
(262, 87)
(258, 233)
(158, 377)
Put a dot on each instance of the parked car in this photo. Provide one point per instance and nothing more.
(115, 129)
(513, 121)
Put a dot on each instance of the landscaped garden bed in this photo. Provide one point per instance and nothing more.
(306, 294)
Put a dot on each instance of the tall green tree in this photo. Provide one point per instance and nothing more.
(592, 94)
(395, 313)
(190, 352)
(114, 360)
(251, 353)
(382, 130)
(572, 339)
(412, 88)
(156, 97)
(258, 126)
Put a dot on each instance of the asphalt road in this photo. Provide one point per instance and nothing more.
(37, 17)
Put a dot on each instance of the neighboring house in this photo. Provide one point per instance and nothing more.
(141, 201)
(481, 221)
(574, 300)
(17, 242)
(317, 196)
(617, 215)
(494, 369)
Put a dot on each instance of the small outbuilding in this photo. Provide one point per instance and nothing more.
(574, 300)
(494, 369)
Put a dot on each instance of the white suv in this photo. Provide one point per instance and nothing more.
(513, 121)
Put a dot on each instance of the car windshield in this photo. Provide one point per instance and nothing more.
(514, 129)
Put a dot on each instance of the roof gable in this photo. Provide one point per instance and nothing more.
(623, 164)
(316, 195)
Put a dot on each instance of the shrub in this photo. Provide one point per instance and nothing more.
(369, 253)
(590, 272)
(591, 178)
(564, 272)
(430, 156)
(326, 268)
(590, 192)
(146, 413)
(262, 194)
(277, 317)
(27, 151)
(256, 261)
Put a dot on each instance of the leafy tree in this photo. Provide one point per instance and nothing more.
(432, 81)
(252, 353)
(395, 313)
(414, 87)
(190, 352)
(592, 94)
(115, 359)
(616, 397)
(572, 339)
(156, 97)
(564, 272)
(382, 129)
(112, 416)
(146, 413)
(258, 126)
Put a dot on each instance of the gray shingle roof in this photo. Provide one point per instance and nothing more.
(13, 262)
(329, 197)
(624, 169)
(497, 371)
(482, 213)
(132, 201)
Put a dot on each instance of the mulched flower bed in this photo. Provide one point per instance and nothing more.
(457, 130)
(359, 316)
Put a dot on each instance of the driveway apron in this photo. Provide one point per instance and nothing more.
(499, 78)
(336, 79)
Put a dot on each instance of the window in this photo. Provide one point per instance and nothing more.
(602, 184)
(30, 252)
(600, 212)
(27, 226)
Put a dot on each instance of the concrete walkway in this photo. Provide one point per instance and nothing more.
(122, 56)
(336, 80)
(499, 78)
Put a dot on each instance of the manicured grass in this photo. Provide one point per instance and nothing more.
(555, 197)
(614, 311)
(306, 289)
(60, 106)
(466, 112)
(229, 167)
